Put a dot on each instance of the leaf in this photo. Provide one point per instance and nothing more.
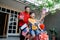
(53, 12)
(46, 4)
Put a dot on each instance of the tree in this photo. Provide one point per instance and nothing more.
(50, 5)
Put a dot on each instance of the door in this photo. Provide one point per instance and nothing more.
(3, 24)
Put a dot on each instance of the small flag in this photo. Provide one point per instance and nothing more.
(24, 26)
(25, 31)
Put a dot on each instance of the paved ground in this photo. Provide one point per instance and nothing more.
(10, 38)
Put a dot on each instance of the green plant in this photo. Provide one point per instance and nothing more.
(51, 5)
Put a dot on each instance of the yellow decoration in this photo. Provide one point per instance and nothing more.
(34, 27)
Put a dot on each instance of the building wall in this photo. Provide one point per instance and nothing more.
(12, 4)
(53, 21)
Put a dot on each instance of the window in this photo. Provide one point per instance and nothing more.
(12, 11)
(0, 8)
(13, 22)
(8, 10)
(3, 9)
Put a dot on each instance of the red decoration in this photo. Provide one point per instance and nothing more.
(43, 36)
(42, 26)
